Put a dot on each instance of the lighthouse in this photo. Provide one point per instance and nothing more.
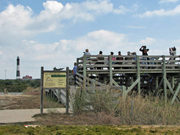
(18, 68)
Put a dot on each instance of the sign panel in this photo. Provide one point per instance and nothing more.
(54, 80)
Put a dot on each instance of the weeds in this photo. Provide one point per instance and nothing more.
(135, 110)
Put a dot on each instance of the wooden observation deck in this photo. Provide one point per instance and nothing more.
(140, 73)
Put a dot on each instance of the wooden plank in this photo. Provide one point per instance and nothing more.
(164, 79)
(176, 93)
(101, 84)
(114, 82)
(138, 74)
(132, 86)
(171, 89)
(67, 90)
(41, 102)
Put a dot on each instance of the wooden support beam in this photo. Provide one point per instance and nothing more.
(84, 71)
(157, 79)
(77, 62)
(124, 92)
(114, 82)
(176, 93)
(110, 70)
(132, 80)
(172, 82)
(171, 89)
(138, 74)
(148, 84)
(41, 102)
(132, 86)
(159, 86)
(164, 79)
(67, 90)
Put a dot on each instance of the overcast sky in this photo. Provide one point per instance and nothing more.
(55, 33)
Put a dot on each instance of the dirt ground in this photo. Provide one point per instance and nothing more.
(30, 99)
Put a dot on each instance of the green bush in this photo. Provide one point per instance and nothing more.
(18, 85)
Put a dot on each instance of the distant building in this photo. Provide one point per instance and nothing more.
(18, 68)
(27, 77)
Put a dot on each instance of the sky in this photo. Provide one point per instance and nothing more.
(54, 33)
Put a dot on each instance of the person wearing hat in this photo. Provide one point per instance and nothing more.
(144, 50)
(172, 52)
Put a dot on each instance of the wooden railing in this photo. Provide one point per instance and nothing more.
(91, 84)
(128, 64)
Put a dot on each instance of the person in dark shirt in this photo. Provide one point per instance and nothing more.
(119, 58)
(100, 58)
(144, 50)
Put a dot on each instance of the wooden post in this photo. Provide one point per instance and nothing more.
(132, 80)
(138, 74)
(77, 62)
(149, 87)
(67, 90)
(172, 82)
(124, 92)
(41, 102)
(84, 71)
(110, 70)
(157, 80)
(164, 79)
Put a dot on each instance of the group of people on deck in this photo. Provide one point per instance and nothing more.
(143, 49)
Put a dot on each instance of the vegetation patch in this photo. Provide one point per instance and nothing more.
(81, 130)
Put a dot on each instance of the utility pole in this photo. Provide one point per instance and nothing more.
(5, 74)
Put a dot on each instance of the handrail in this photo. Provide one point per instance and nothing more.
(93, 64)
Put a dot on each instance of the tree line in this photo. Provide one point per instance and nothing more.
(18, 85)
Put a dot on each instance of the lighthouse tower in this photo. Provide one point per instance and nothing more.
(18, 68)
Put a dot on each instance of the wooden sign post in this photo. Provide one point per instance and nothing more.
(55, 80)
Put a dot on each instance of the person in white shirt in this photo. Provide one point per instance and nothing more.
(87, 53)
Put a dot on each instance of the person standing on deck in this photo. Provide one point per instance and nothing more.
(135, 56)
(74, 72)
(119, 59)
(100, 58)
(113, 58)
(172, 52)
(144, 51)
(119, 54)
(87, 53)
(128, 58)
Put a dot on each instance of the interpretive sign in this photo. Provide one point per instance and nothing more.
(54, 80)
